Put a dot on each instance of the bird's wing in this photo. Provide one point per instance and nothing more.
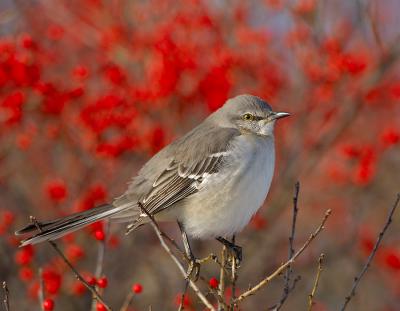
(179, 181)
(199, 154)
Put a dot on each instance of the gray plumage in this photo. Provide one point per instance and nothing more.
(185, 179)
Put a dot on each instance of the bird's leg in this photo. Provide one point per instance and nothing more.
(236, 249)
(194, 265)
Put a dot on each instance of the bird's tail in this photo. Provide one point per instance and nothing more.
(57, 228)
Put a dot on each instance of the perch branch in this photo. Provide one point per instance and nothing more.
(161, 237)
(358, 278)
(182, 303)
(278, 271)
(234, 278)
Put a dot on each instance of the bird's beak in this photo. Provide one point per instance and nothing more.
(279, 115)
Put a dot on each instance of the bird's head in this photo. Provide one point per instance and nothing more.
(249, 114)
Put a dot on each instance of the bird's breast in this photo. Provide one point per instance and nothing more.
(227, 201)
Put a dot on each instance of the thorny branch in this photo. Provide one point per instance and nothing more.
(358, 278)
(316, 282)
(278, 271)
(92, 289)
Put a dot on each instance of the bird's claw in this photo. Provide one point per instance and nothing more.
(237, 254)
(193, 271)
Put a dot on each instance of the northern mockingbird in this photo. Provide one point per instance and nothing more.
(212, 180)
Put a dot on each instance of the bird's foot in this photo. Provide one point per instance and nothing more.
(236, 254)
(193, 271)
(236, 250)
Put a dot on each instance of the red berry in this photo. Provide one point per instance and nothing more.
(23, 257)
(213, 283)
(100, 307)
(48, 304)
(91, 280)
(103, 282)
(99, 235)
(25, 274)
(56, 190)
(8, 217)
(137, 288)
(78, 288)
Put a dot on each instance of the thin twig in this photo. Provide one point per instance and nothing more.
(278, 305)
(92, 289)
(6, 299)
(41, 289)
(234, 277)
(278, 271)
(182, 303)
(289, 269)
(221, 287)
(358, 278)
(161, 236)
(101, 250)
(127, 301)
(314, 289)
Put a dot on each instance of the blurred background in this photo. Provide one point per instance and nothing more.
(90, 89)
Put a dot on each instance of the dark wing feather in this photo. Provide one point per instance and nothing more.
(178, 182)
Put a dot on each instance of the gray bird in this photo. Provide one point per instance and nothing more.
(211, 181)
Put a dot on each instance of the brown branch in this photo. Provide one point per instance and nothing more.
(317, 277)
(181, 305)
(278, 271)
(279, 305)
(358, 278)
(79, 277)
(6, 299)
(41, 289)
(221, 286)
(100, 261)
(161, 236)
(234, 278)
(289, 269)
(127, 301)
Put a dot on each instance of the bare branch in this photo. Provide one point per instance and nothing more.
(314, 289)
(182, 303)
(161, 236)
(278, 271)
(6, 299)
(127, 301)
(41, 289)
(221, 286)
(91, 288)
(289, 269)
(100, 261)
(279, 305)
(358, 278)
(234, 277)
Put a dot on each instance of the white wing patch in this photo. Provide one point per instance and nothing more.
(179, 181)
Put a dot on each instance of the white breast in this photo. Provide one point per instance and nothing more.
(227, 201)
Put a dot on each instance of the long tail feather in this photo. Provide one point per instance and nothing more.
(57, 228)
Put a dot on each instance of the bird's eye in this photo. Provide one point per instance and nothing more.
(247, 117)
